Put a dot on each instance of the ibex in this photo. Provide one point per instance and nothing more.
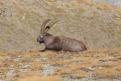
(58, 43)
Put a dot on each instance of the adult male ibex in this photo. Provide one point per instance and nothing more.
(58, 43)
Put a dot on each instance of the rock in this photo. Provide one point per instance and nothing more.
(48, 70)
(1, 80)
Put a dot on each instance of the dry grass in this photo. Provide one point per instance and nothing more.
(38, 78)
(55, 66)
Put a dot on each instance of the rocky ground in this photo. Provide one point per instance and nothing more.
(90, 65)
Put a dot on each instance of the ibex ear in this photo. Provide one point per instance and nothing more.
(47, 28)
(43, 26)
(50, 25)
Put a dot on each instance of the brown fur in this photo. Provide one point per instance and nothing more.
(60, 43)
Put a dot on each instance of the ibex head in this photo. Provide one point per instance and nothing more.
(44, 30)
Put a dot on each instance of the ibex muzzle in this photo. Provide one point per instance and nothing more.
(58, 43)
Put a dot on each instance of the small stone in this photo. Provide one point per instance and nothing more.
(10, 74)
(1, 80)
(48, 70)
